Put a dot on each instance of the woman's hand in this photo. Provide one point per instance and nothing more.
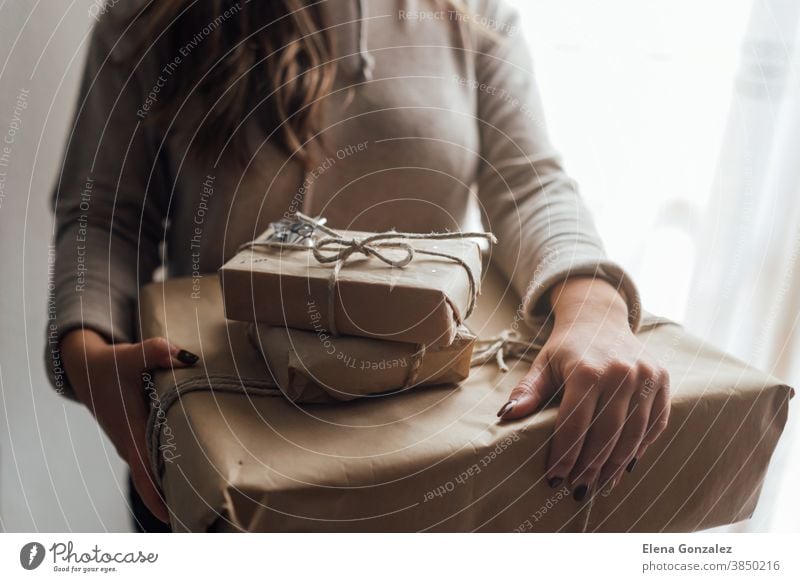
(108, 380)
(615, 396)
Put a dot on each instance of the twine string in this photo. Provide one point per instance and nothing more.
(337, 249)
(508, 344)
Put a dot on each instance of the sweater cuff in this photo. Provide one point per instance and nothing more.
(75, 315)
(536, 305)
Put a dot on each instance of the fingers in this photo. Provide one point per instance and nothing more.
(605, 422)
(145, 484)
(610, 423)
(624, 453)
(531, 392)
(156, 353)
(147, 355)
(659, 414)
(639, 454)
(572, 424)
(650, 415)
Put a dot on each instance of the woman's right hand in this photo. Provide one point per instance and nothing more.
(108, 380)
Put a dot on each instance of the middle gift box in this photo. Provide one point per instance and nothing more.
(313, 367)
(404, 287)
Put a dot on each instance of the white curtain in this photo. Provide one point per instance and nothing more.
(681, 122)
(745, 293)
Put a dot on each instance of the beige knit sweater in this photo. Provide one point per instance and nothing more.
(431, 117)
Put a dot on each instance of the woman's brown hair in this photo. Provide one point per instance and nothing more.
(236, 57)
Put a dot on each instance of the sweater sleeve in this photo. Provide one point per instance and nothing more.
(544, 230)
(108, 212)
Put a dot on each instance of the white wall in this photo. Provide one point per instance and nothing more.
(57, 472)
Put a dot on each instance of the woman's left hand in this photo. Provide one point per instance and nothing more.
(615, 400)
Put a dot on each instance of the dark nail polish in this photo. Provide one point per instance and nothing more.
(580, 493)
(631, 465)
(507, 407)
(187, 357)
(555, 482)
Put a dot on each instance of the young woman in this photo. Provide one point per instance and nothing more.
(199, 122)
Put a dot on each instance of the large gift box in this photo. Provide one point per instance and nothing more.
(385, 286)
(233, 454)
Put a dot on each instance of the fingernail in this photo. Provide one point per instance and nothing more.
(631, 465)
(580, 493)
(187, 357)
(608, 487)
(507, 407)
(555, 482)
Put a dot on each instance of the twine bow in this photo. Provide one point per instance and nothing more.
(341, 249)
(335, 248)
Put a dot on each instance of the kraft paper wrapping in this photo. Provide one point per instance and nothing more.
(233, 457)
(311, 367)
(422, 303)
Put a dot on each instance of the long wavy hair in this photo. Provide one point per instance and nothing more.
(236, 56)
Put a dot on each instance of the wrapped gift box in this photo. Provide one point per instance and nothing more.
(423, 302)
(234, 455)
(311, 367)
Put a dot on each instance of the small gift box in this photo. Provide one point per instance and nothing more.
(409, 287)
(314, 367)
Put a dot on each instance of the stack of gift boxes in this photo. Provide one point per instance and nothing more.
(340, 315)
(336, 321)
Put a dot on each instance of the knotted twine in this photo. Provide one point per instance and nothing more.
(508, 344)
(336, 248)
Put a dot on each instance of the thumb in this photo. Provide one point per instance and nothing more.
(157, 352)
(531, 392)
